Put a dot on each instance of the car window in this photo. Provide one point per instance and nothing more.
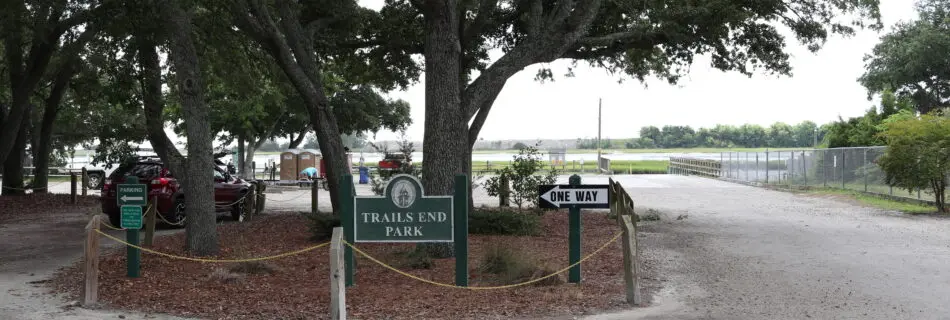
(218, 175)
(140, 170)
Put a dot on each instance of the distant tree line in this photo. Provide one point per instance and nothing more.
(778, 135)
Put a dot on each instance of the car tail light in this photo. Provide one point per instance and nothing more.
(160, 182)
(107, 185)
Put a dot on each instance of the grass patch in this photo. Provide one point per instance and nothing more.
(512, 265)
(503, 221)
(878, 202)
(617, 166)
(414, 258)
(321, 225)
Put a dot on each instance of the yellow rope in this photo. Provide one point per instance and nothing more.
(602, 247)
(282, 255)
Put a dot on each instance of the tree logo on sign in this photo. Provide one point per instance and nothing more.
(403, 194)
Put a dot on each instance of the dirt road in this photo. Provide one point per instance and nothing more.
(741, 252)
(32, 248)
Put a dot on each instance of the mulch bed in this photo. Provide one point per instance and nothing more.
(299, 289)
(31, 205)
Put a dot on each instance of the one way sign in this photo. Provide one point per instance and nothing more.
(565, 196)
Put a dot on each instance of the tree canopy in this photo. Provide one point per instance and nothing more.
(911, 59)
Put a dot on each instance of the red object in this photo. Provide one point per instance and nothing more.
(162, 184)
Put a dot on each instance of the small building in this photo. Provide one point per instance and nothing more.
(558, 157)
(288, 164)
(308, 158)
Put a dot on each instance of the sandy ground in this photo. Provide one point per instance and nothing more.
(725, 251)
(740, 252)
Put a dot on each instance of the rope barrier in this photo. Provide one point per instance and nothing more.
(291, 199)
(383, 264)
(235, 202)
(167, 255)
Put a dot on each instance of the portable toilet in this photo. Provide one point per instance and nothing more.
(288, 165)
(557, 156)
(307, 159)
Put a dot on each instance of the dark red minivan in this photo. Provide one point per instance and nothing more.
(229, 191)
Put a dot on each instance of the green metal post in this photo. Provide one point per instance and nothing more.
(460, 202)
(346, 219)
(574, 237)
(133, 255)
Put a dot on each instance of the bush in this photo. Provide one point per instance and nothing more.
(520, 181)
(415, 259)
(512, 265)
(500, 222)
(321, 225)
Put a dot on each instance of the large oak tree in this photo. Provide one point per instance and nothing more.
(912, 59)
(635, 38)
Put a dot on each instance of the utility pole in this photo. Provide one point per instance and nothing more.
(599, 114)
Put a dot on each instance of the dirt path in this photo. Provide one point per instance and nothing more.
(34, 247)
(739, 252)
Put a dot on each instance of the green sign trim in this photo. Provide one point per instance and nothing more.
(404, 214)
(131, 217)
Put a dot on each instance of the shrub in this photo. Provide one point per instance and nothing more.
(253, 267)
(500, 222)
(918, 154)
(321, 225)
(512, 265)
(415, 259)
(521, 180)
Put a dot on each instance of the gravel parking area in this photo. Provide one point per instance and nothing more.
(730, 251)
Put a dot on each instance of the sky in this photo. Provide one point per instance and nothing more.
(823, 87)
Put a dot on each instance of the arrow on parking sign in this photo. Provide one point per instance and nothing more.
(128, 198)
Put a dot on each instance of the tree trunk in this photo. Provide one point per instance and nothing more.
(201, 232)
(446, 129)
(240, 157)
(13, 166)
(41, 151)
(249, 152)
(295, 142)
(292, 47)
(44, 144)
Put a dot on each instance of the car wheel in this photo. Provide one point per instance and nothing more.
(178, 215)
(238, 212)
(94, 181)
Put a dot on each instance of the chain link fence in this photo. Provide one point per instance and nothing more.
(845, 168)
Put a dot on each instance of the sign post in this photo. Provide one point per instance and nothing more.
(574, 196)
(404, 214)
(131, 196)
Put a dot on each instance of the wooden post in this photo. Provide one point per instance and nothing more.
(314, 193)
(612, 196)
(337, 276)
(85, 181)
(630, 261)
(72, 187)
(90, 292)
(150, 222)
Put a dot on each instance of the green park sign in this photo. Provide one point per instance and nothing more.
(132, 194)
(403, 214)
